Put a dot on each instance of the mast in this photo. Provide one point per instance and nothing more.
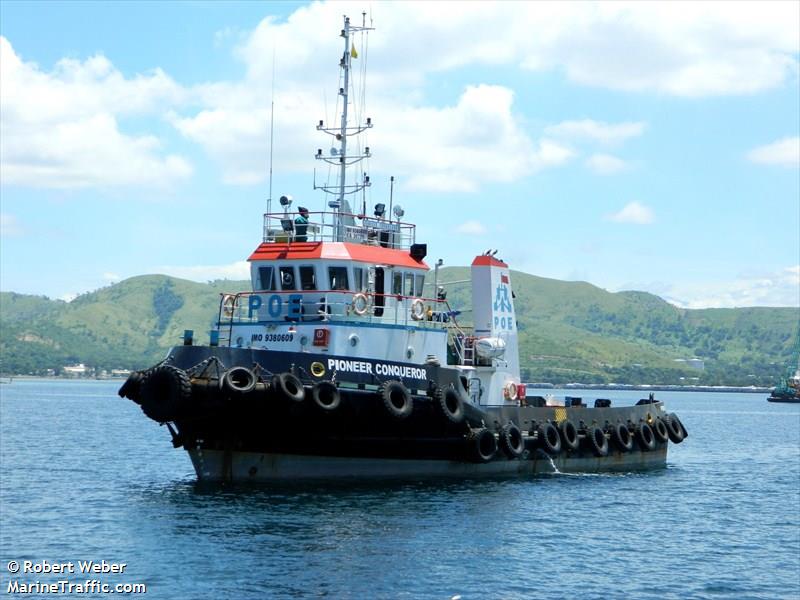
(338, 156)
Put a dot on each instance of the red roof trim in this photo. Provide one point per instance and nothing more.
(488, 261)
(336, 251)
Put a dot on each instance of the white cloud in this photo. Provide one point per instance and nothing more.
(597, 131)
(471, 228)
(785, 152)
(635, 213)
(61, 128)
(455, 148)
(67, 127)
(605, 164)
(237, 271)
(68, 297)
(700, 49)
(9, 226)
(697, 49)
(766, 289)
(111, 277)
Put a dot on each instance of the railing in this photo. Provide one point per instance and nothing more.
(331, 306)
(338, 227)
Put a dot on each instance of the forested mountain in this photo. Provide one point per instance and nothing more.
(569, 331)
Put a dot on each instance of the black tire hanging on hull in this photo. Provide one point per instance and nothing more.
(597, 441)
(660, 430)
(673, 418)
(289, 387)
(238, 380)
(645, 437)
(511, 441)
(131, 389)
(326, 396)
(482, 446)
(549, 439)
(675, 428)
(396, 400)
(569, 435)
(165, 393)
(622, 438)
(449, 405)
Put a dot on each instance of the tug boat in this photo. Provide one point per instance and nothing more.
(338, 364)
(788, 388)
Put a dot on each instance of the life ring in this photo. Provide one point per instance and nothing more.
(417, 310)
(645, 437)
(483, 445)
(549, 439)
(165, 393)
(396, 399)
(569, 435)
(239, 380)
(675, 428)
(510, 391)
(449, 404)
(622, 437)
(289, 386)
(660, 430)
(326, 396)
(597, 441)
(511, 441)
(228, 302)
(360, 304)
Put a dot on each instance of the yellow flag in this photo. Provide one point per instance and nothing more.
(353, 52)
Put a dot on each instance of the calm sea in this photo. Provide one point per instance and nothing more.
(85, 476)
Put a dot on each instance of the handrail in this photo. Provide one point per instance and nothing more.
(282, 227)
(291, 306)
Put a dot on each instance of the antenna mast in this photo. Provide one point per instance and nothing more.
(338, 156)
(271, 132)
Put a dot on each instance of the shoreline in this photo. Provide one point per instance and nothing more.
(620, 387)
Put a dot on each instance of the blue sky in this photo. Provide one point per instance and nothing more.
(635, 146)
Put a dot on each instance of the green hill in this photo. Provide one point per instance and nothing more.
(569, 331)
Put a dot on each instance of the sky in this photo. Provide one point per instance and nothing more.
(636, 146)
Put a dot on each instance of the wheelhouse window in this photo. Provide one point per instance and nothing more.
(410, 285)
(359, 281)
(287, 278)
(338, 278)
(420, 283)
(266, 278)
(397, 283)
(308, 278)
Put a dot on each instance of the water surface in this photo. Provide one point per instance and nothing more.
(85, 476)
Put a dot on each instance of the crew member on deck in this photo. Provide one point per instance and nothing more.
(301, 225)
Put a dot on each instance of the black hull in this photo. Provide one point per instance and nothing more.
(785, 399)
(260, 432)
